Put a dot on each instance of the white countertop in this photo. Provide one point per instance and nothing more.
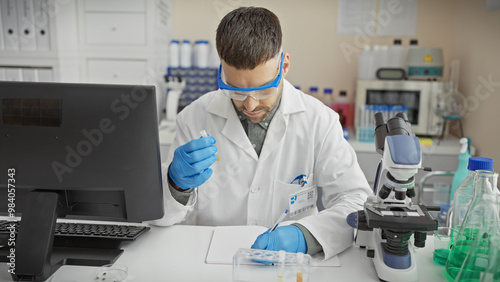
(448, 146)
(177, 253)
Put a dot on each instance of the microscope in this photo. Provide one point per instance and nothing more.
(389, 218)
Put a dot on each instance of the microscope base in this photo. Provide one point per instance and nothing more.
(388, 273)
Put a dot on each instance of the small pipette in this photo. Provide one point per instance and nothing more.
(203, 133)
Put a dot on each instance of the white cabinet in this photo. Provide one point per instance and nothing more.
(116, 71)
(94, 41)
(112, 28)
(115, 6)
(125, 42)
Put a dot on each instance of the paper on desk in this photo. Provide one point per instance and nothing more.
(226, 240)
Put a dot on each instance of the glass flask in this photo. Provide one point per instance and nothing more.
(482, 262)
(481, 220)
(451, 103)
(465, 192)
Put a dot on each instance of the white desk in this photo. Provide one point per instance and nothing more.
(177, 253)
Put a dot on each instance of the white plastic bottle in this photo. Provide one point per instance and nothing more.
(213, 57)
(313, 91)
(366, 68)
(173, 54)
(201, 52)
(413, 44)
(396, 55)
(186, 54)
(376, 57)
(384, 57)
(327, 97)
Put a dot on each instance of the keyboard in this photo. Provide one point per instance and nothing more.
(85, 235)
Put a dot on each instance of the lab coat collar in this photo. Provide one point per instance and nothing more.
(291, 102)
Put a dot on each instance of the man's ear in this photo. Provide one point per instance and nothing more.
(286, 64)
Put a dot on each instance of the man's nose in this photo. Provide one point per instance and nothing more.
(251, 103)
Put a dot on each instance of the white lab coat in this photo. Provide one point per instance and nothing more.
(304, 137)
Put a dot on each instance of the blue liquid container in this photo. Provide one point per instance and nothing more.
(462, 172)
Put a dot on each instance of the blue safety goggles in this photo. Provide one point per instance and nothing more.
(258, 93)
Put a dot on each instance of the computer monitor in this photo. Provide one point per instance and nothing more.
(81, 151)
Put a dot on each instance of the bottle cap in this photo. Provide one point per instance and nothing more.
(186, 41)
(480, 163)
(174, 41)
(397, 41)
(342, 93)
(414, 42)
(313, 89)
(444, 207)
(328, 90)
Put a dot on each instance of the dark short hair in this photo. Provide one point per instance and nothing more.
(248, 36)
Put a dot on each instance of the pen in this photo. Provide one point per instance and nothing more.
(203, 133)
(279, 220)
(303, 181)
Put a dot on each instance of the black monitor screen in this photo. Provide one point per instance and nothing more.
(96, 146)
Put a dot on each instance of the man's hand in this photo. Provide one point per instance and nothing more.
(190, 166)
(288, 238)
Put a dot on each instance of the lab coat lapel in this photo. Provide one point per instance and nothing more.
(233, 130)
(274, 135)
(290, 103)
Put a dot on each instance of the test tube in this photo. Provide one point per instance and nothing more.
(300, 265)
(203, 133)
(373, 110)
(361, 121)
(281, 265)
(383, 110)
(366, 123)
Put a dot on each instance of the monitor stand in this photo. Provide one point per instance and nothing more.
(35, 258)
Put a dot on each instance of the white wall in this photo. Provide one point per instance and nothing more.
(463, 28)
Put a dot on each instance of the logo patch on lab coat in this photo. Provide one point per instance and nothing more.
(302, 201)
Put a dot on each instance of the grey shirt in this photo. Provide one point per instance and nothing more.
(256, 132)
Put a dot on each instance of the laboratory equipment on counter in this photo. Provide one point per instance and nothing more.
(175, 86)
(271, 265)
(420, 98)
(424, 63)
(465, 191)
(478, 237)
(389, 218)
(452, 105)
(462, 170)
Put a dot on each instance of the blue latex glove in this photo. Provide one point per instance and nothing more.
(288, 238)
(190, 166)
